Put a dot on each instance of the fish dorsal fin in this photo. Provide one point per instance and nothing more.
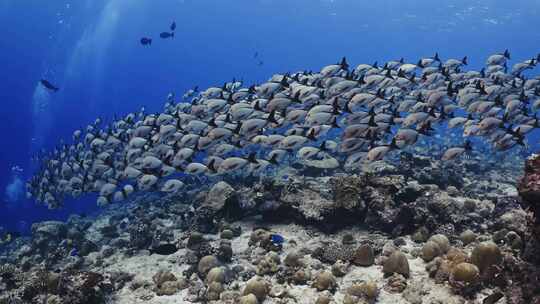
(272, 116)
(346, 107)
(252, 90)
(432, 112)
(372, 122)
(273, 159)
(257, 106)
(211, 165)
(334, 123)
(252, 158)
(449, 89)
(238, 128)
(311, 135)
(296, 97)
(283, 81)
(380, 93)
(389, 74)
(344, 65)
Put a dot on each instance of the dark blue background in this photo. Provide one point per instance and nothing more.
(91, 49)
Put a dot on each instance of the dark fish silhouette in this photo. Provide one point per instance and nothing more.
(48, 85)
(146, 41)
(173, 26)
(74, 252)
(166, 35)
(166, 249)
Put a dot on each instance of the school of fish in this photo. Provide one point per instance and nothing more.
(339, 116)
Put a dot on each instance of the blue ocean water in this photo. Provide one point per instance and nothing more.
(91, 50)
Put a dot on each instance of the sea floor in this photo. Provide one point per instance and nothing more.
(420, 288)
(417, 234)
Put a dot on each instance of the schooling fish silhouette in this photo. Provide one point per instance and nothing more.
(48, 85)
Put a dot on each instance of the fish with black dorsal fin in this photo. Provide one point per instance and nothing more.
(378, 153)
(48, 85)
(146, 41)
(166, 35)
(452, 153)
(173, 26)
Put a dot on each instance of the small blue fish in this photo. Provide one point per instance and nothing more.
(74, 252)
(277, 239)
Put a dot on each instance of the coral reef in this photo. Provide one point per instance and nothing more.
(529, 190)
(390, 235)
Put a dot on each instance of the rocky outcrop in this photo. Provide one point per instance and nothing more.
(529, 186)
(391, 203)
(529, 190)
